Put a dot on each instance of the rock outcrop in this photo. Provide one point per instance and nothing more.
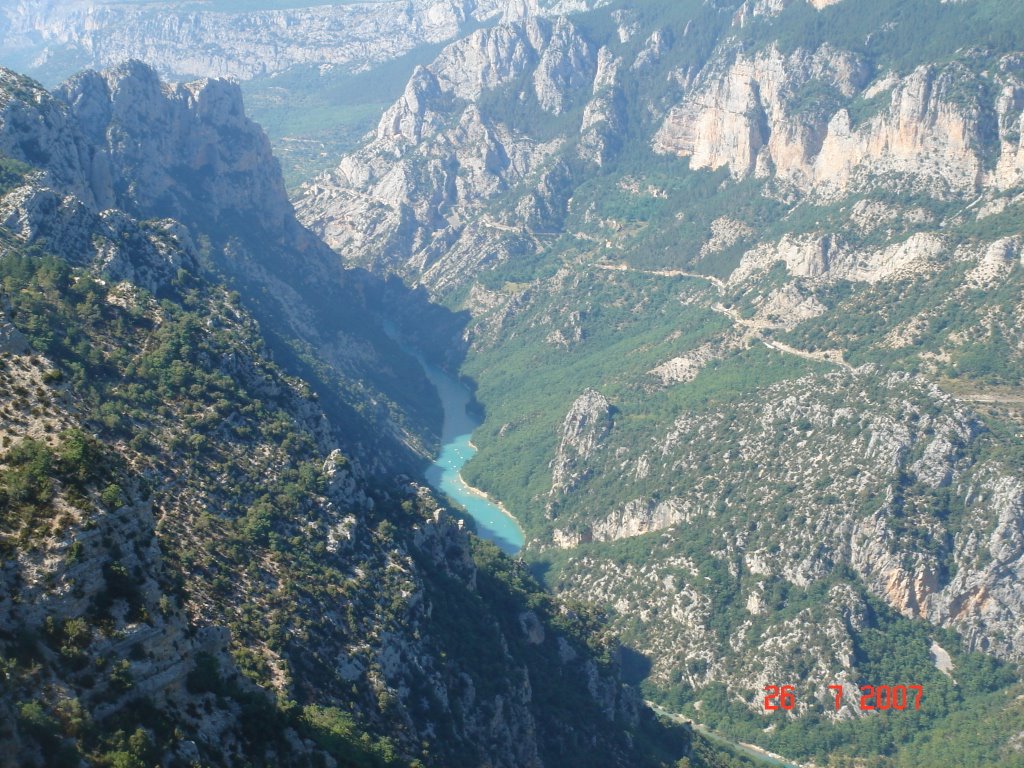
(165, 151)
(827, 258)
(123, 140)
(585, 428)
(741, 111)
(603, 118)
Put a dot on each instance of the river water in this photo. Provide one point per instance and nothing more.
(492, 521)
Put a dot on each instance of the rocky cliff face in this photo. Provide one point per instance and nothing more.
(413, 194)
(165, 149)
(124, 139)
(745, 111)
(585, 428)
(40, 133)
(829, 258)
(932, 125)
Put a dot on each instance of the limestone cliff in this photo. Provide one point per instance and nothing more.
(411, 194)
(585, 428)
(789, 117)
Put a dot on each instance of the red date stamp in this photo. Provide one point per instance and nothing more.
(872, 697)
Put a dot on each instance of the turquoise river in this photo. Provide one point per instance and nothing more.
(492, 521)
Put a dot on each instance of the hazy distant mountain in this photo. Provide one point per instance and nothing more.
(220, 39)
